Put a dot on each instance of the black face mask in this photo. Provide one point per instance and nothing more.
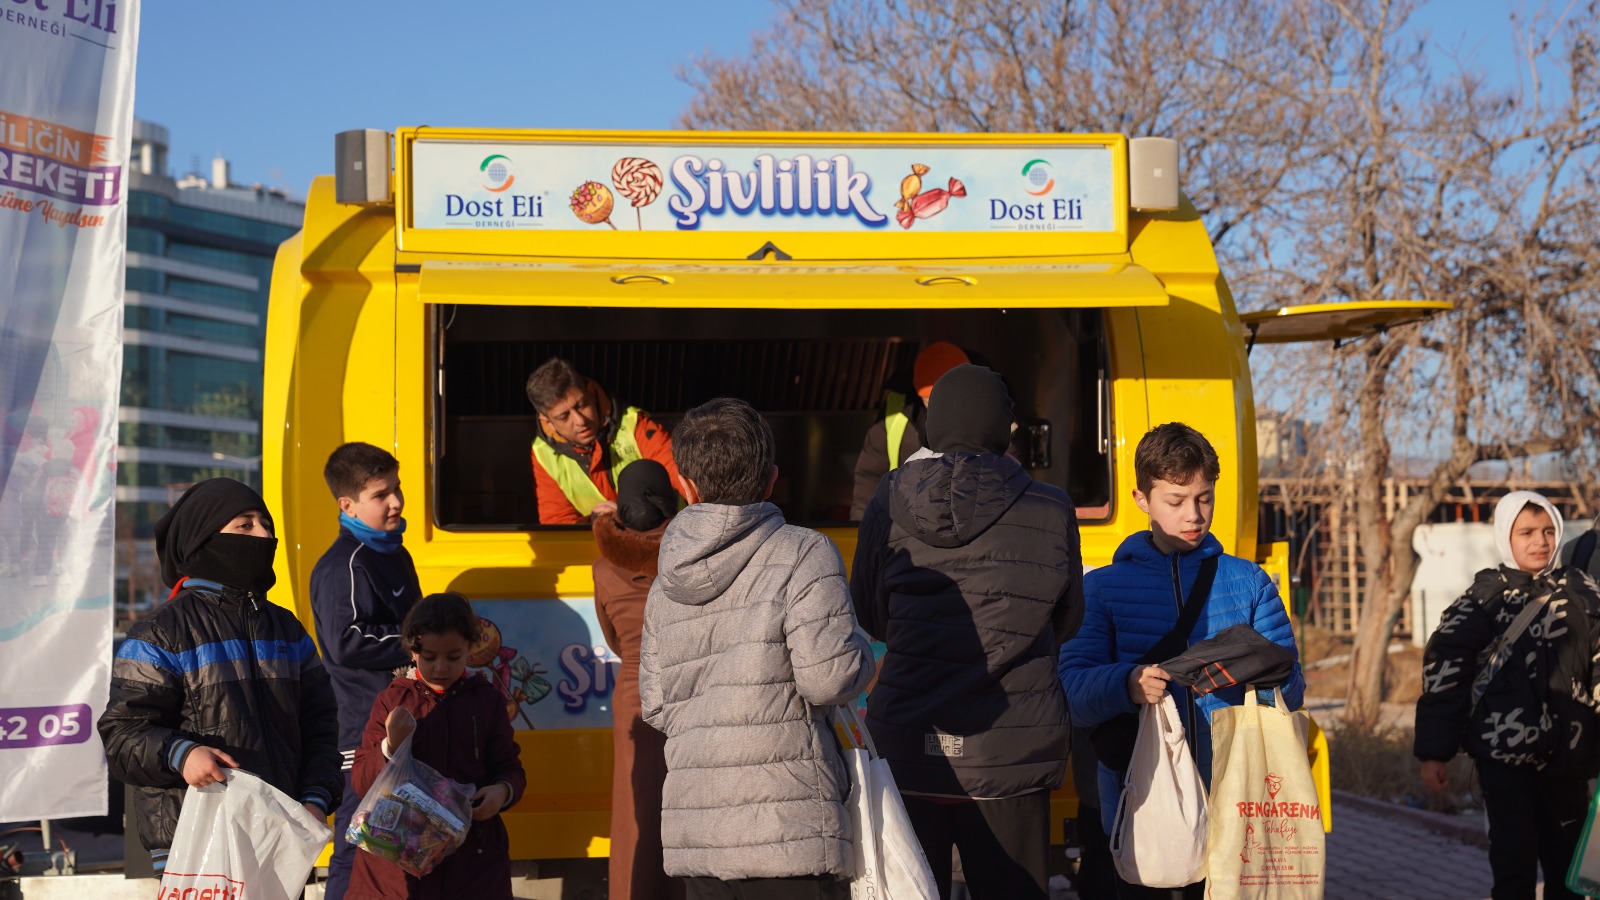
(239, 561)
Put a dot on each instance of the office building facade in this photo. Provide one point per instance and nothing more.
(199, 263)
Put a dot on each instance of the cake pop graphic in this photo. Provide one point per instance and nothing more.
(592, 202)
(639, 180)
(911, 186)
(489, 652)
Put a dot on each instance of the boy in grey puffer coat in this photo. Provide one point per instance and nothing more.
(749, 638)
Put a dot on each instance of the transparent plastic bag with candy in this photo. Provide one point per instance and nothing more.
(413, 816)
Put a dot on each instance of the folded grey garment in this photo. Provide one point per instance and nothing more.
(1237, 655)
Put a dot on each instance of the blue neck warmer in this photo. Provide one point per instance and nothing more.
(381, 541)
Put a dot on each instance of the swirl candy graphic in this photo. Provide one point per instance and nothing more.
(639, 180)
(592, 202)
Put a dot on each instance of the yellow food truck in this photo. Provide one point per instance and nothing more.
(801, 272)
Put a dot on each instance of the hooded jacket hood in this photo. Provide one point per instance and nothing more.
(951, 499)
(626, 548)
(707, 545)
(1505, 513)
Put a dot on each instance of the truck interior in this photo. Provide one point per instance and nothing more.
(818, 375)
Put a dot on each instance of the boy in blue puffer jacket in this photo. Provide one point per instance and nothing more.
(1134, 602)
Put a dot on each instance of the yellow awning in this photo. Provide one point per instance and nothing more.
(790, 285)
(1334, 321)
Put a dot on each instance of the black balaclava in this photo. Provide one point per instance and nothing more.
(645, 497)
(190, 542)
(969, 411)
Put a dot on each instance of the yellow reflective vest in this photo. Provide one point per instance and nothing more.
(895, 421)
(573, 477)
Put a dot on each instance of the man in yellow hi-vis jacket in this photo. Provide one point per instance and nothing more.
(584, 442)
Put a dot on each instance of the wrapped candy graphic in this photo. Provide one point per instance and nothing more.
(928, 204)
(639, 180)
(592, 202)
(911, 186)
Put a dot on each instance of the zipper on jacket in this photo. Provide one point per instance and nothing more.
(1184, 705)
(255, 675)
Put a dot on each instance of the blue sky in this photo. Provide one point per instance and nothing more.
(268, 85)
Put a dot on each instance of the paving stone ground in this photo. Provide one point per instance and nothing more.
(1373, 856)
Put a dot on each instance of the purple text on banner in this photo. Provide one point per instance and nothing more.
(44, 726)
(92, 186)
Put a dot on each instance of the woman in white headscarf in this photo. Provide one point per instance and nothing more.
(1509, 676)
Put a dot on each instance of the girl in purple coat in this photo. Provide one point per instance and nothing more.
(461, 729)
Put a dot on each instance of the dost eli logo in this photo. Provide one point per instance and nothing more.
(1060, 212)
(496, 168)
(1040, 180)
(505, 209)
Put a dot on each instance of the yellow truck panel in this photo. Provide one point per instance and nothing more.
(409, 320)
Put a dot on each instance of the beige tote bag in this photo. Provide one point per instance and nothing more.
(1159, 839)
(1266, 839)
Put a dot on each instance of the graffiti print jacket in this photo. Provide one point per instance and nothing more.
(219, 667)
(1541, 708)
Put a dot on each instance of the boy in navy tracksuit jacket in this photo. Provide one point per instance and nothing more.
(1134, 602)
(361, 590)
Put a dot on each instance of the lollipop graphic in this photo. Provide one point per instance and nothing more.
(592, 202)
(639, 180)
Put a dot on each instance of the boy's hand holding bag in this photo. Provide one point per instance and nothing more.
(1159, 839)
(242, 838)
(413, 816)
(1265, 840)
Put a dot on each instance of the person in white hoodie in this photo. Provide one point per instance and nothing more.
(1510, 676)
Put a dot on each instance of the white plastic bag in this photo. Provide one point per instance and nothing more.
(1159, 838)
(889, 860)
(242, 838)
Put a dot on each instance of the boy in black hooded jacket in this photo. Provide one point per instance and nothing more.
(218, 677)
(970, 572)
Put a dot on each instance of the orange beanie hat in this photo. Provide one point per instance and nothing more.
(935, 359)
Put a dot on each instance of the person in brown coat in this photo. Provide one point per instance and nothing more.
(629, 540)
(458, 725)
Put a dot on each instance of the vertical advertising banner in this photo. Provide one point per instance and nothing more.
(66, 119)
